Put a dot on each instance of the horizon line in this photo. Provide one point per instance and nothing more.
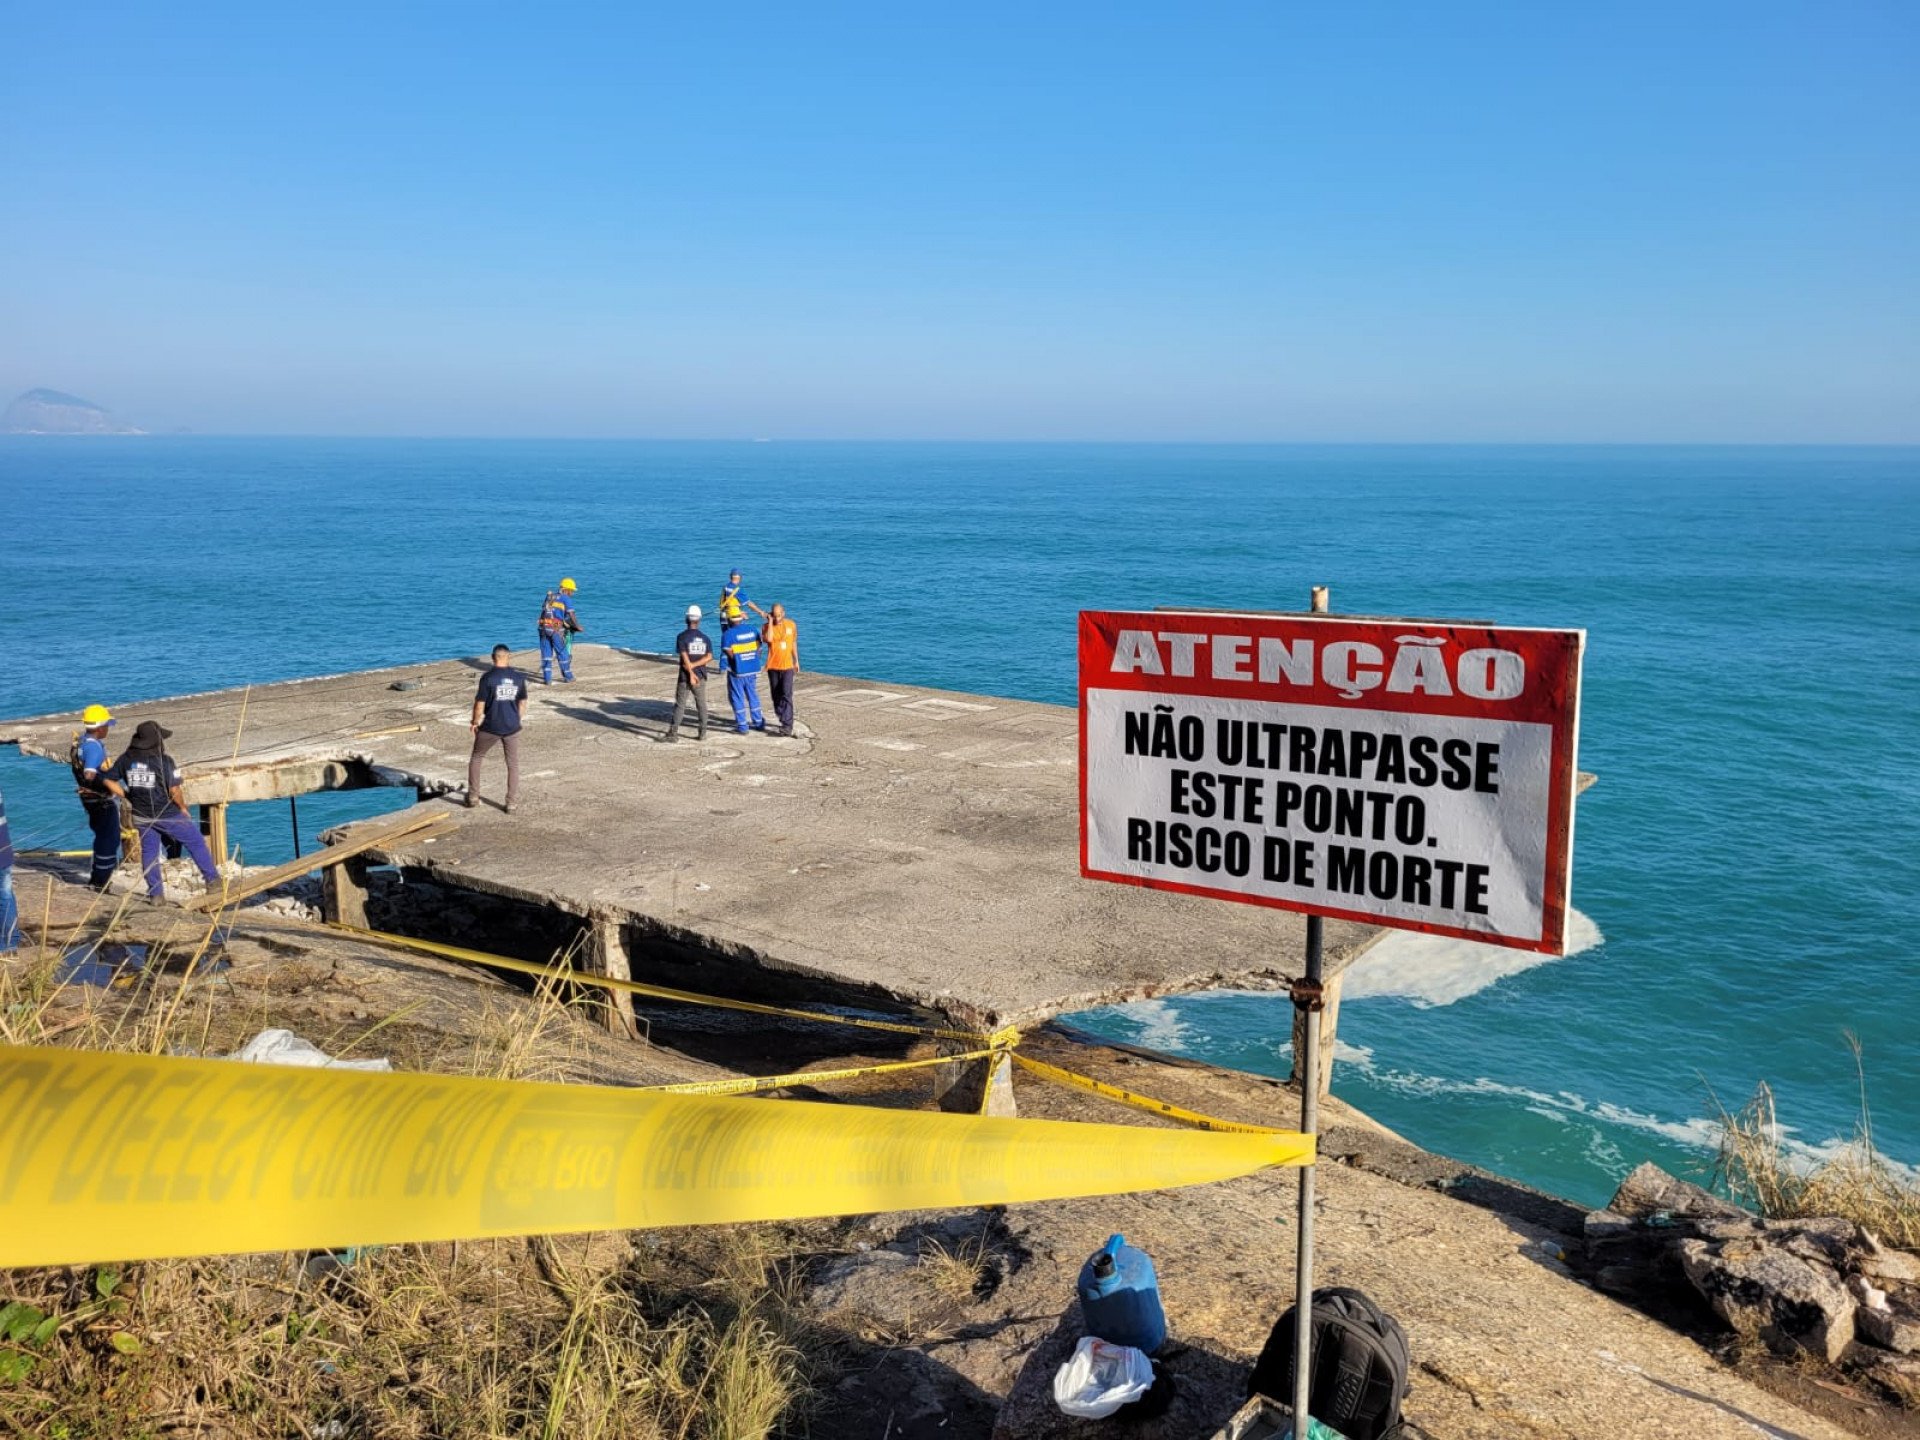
(972, 440)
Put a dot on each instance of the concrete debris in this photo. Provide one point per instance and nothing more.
(1760, 1288)
(1898, 1267)
(1893, 1325)
(1862, 1290)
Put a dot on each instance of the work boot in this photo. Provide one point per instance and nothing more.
(473, 802)
(673, 737)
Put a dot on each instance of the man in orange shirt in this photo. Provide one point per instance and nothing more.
(783, 664)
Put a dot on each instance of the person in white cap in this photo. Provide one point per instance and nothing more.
(694, 650)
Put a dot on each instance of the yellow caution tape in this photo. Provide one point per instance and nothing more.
(131, 1157)
(1141, 1102)
(752, 1084)
(999, 1038)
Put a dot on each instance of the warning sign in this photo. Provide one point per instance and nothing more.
(1418, 774)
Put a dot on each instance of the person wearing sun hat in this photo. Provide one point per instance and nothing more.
(148, 780)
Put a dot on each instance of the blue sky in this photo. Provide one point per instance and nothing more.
(1397, 222)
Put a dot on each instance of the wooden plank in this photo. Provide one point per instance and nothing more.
(419, 827)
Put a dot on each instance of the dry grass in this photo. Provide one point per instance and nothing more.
(481, 1340)
(584, 1337)
(958, 1271)
(1855, 1182)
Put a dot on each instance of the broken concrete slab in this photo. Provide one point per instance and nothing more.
(919, 845)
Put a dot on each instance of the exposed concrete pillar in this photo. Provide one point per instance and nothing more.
(1329, 1024)
(975, 1087)
(343, 892)
(607, 955)
(213, 825)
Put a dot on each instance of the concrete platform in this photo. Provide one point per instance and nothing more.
(916, 843)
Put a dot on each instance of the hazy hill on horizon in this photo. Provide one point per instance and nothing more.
(54, 412)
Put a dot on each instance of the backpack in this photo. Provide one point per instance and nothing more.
(1360, 1363)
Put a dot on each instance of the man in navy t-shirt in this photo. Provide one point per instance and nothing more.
(147, 778)
(692, 651)
(498, 707)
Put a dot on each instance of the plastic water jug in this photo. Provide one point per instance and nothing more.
(1120, 1297)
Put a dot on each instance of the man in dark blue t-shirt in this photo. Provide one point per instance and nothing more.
(693, 651)
(147, 778)
(498, 708)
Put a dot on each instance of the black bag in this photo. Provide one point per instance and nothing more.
(1360, 1363)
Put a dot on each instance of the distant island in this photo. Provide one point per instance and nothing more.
(52, 412)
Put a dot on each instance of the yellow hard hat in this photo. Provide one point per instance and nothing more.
(568, 585)
(96, 715)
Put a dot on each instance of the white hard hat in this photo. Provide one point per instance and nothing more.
(693, 612)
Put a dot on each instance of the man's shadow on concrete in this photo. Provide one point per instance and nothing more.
(622, 715)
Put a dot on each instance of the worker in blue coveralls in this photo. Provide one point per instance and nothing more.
(9, 910)
(88, 758)
(734, 602)
(740, 652)
(559, 623)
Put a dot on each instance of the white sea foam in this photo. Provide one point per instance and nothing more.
(1699, 1133)
(1438, 970)
(1161, 1027)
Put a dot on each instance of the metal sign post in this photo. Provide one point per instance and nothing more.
(1307, 1001)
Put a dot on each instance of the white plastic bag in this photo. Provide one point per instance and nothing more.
(283, 1047)
(1100, 1378)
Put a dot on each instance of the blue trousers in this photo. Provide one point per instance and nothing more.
(9, 912)
(172, 827)
(743, 693)
(103, 818)
(554, 647)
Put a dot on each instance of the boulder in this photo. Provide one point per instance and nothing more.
(1894, 1327)
(1651, 1193)
(1760, 1287)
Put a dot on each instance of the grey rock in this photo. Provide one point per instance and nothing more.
(1650, 1191)
(1895, 1328)
(1605, 1225)
(1759, 1287)
(875, 1286)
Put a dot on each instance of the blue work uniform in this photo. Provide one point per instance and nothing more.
(558, 621)
(9, 911)
(88, 758)
(741, 651)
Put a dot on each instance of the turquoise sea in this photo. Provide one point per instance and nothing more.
(1751, 855)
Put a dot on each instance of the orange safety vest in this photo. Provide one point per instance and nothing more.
(783, 645)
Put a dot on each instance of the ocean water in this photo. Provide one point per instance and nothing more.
(1747, 865)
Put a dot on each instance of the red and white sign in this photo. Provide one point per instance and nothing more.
(1412, 773)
